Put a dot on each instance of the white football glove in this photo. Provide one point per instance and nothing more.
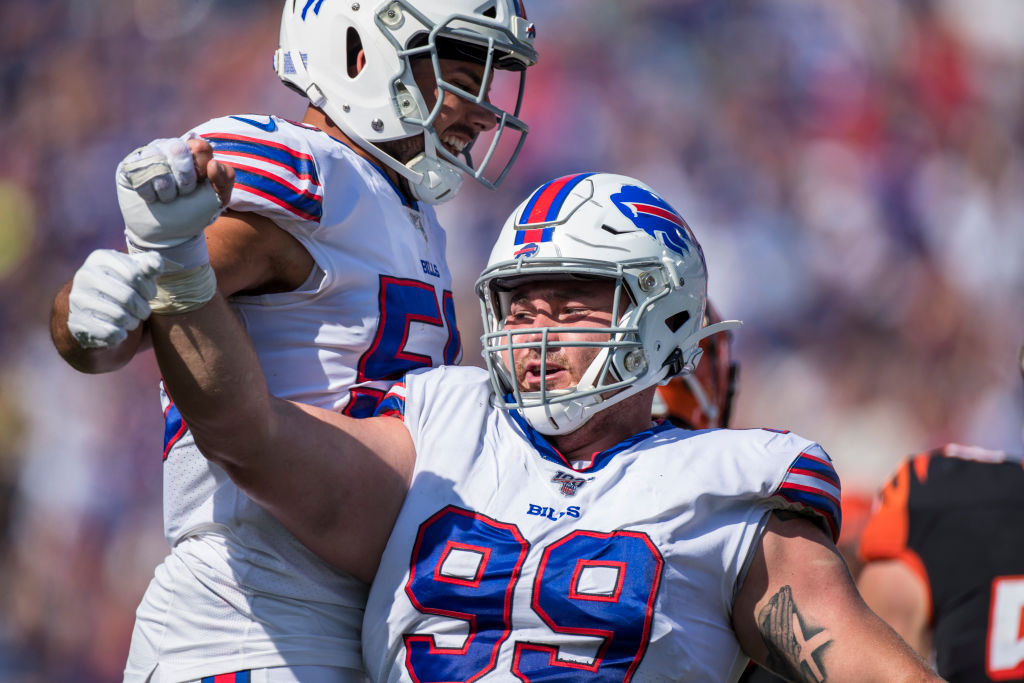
(161, 202)
(166, 210)
(109, 296)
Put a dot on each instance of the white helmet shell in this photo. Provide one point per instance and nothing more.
(598, 225)
(382, 102)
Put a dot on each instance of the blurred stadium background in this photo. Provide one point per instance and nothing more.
(854, 170)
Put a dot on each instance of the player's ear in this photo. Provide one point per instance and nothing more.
(355, 55)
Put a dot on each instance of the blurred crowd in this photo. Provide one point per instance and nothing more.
(853, 169)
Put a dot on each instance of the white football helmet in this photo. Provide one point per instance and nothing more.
(598, 225)
(381, 102)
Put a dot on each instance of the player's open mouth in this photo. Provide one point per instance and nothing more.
(553, 377)
(454, 144)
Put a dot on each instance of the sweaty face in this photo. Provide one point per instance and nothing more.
(564, 305)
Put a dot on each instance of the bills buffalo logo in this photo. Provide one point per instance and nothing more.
(568, 483)
(526, 251)
(653, 215)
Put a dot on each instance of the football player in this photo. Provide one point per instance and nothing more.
(944, 562)
(330, 253)
(528, 520)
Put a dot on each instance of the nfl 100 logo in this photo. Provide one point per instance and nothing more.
(568, 484)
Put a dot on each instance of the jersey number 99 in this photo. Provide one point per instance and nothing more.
(589, 587)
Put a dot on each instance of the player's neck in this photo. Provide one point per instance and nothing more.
(607, 428)
(318, 118)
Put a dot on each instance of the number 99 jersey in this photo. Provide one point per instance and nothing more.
(508, 564)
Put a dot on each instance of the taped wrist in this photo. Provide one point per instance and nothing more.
(187, 280)
(184, 290)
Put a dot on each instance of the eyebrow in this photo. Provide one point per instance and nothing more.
(469, 73)
(584, 294)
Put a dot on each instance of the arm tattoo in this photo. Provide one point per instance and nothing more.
(793, 650)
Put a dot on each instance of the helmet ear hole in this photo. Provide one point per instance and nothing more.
(353, 46)
(674, 322)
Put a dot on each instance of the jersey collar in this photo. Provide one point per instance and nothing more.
(600, 459)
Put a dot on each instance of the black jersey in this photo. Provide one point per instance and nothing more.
(955, 516)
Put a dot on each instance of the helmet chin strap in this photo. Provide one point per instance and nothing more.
(439, 180)
(553, 419)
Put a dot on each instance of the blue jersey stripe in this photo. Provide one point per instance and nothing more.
(301, 203)
(816, 466)
(298, 163)
(236, 677)
(391, 405)
(174, 428)
(817, 502)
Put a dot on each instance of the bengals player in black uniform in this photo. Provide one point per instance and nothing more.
(944, 560)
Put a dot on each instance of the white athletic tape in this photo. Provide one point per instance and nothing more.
(186, 280)
(191, 253)
(184, 290)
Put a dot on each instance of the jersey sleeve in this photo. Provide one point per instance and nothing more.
(887, 532)
(276, 173)
(393, 404)
(811, 486)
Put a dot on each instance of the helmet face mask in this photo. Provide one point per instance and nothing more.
(597, 226)
(382, 101)
(616, 346)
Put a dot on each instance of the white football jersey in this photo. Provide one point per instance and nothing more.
(508, 564)
(377, 305)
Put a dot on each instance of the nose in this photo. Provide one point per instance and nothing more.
(479, 117)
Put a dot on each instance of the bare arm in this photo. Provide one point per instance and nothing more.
(335, 482)
(900, 597)
(798, 613)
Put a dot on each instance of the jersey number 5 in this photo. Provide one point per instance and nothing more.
(402, 302)
(595, 590)
(1004, 658)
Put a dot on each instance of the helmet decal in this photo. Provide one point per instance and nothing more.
(526, 251)
(316, 9)
(520, 8)
(544, 206)
(653, 215)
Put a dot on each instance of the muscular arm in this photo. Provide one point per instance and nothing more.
(798, 613)
(900, 597)
(248, 253)
(336, 483)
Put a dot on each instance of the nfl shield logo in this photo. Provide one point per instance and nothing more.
(568, 484)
